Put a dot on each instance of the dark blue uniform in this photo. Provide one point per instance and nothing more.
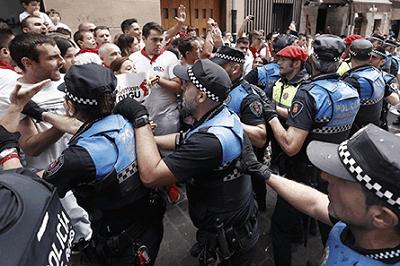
(220, 196)
(326, 108)
(264, 76)
(99, 166)
(369, 83)
(391, 85)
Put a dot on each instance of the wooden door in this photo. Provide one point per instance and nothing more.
(198, 12)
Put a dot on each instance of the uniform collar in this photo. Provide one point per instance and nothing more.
(152, 59)
(301, 76)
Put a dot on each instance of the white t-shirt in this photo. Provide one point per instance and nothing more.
(8, 79)
(161, 104)
(44, 17)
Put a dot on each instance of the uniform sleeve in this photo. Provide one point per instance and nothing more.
(252, 77)
(391, 87)
(197, 157)
(73, 167)
(251, 111)
(302, 111)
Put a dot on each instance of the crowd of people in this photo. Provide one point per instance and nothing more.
(85, 177)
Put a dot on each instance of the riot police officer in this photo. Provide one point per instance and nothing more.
(265, 76)
(244, 100)
(391, 65)
(207, 158)
(391, 95)
(323, 108)
(369, 83)
(100, 166)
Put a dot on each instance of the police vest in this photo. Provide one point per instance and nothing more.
(339, 254)
(283, 94)
(226, 189)
(110, 143)
(237, 95)
(391, 65)
(337, 105)
(41, 232)
(371, 91)
(267, 76)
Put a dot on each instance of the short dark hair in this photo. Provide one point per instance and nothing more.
(127, 23)
(151, 26)
(63, 44)
(117, 63)
(124, 41)
(186, 45)
(190, 28)
(100, 28)
(244, 40)
(26, 2)
(24, 22)
(5, 38)
(26, 44)
(53, 11)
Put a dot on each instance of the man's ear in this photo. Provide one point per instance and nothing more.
(80, 43)
(383, 217)
(26, 62)
(201, 97)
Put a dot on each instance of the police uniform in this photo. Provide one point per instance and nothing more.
(391, 86)
(369, 161)
(99, 165)
(346, 64)
(221, 204)
(326, 108)
(266, 76)
(244, 101)
(370, 85)
(391, 65)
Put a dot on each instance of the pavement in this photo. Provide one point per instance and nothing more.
(179, 235)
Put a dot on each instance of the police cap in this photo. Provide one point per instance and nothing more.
(85, 84)
(328, 47)
(281, 41)
(226, 54)
(370, 157)
(208, 77)
(376, 37)
(361, 49)
(391, 43)
(379, 51)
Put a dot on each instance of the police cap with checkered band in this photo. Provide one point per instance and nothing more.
(328, 48)
(361, 49)
(208, 77)
(226, 54)
(84, 84)
(370, 157)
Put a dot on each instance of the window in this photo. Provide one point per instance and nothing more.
(175, 12)
(165, 13)
(196, 13)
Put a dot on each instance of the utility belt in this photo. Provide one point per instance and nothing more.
(225, 242)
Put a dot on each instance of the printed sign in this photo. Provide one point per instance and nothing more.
(134, 85)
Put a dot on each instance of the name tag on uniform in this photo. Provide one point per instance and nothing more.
(133, 85)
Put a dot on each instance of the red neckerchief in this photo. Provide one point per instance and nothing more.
(89, 50)
(7, 66)
(254, 51)
(154, 58)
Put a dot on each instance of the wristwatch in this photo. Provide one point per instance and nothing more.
(141, 121)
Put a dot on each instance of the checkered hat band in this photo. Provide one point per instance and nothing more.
(197, 83)
(378, 53)
(335, 59)
(355, 53)
(359, 174)
(332, 130)
(230, 58)
(81, 100)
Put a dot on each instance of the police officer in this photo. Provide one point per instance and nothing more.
(391, 95)
(323, 108)
(392, 61)
(100, 166)
(363, 196)
(221, 204)
(244, 101)
(266, 75)
(291, 61)
(369, 83)
(346, 64)
(27, 203)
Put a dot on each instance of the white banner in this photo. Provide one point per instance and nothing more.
(133, 85)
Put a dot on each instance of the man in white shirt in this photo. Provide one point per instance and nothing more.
(156, 63)
(33, 24)
(32, 8)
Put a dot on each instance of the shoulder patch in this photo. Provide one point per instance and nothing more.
(394, 86)
(55, 166)
(296, 108)
(256, 108)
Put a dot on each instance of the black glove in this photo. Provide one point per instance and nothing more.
(8, 140)
(33, 110)
(249, 163)
(269, 110)
(130, 109)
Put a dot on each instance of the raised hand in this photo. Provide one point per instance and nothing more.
(23, 93)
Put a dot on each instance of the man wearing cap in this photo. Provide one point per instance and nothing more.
(369, 83)
(221, 204)
(346, 64)
(376, 39)
(266, 76)
(323, 108)
(363, 198)
(391, 95)
(244, 101)
(392, 61)
(100, 166)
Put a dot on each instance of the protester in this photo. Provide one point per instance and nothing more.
(88, 52)
(33, 24)
(32, 8)
(102, 35)
(122, 65)
(127, 44)
(55, 17)
(68, 52)
(108, 52)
